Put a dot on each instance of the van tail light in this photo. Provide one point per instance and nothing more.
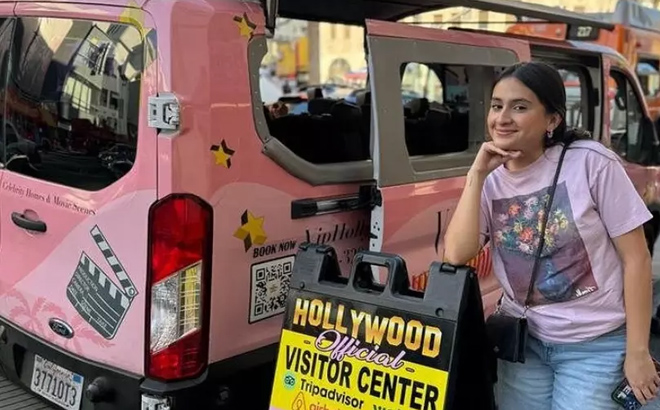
(178, 296)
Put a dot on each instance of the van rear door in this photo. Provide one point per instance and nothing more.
(422, 152)
(80, 177)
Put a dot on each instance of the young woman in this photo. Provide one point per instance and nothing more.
(590, 307)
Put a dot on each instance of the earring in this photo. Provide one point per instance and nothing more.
(548, 134)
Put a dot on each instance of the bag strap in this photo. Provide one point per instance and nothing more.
(548, 208)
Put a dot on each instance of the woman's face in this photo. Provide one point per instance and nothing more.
(517, 120)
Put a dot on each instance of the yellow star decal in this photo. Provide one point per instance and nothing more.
(245, 26)
(251, 231)
(222, 154)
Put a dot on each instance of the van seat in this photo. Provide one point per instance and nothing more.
(321, 139)
(362, 97)
(347, 121)
(314, 93)
(428, 135)
(363, 100)
(338, 131)
(459, 129)
(320, 106)
(311, 137)
(416, 108)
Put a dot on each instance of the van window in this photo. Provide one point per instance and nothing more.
(315, 99)
(73, 101)
(625, 118)
(648, 73)
(574, 103)
(419, 81)
(436, 108)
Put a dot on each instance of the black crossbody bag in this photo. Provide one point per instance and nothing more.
(508, 334)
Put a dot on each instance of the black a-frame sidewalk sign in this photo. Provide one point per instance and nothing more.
(352, 343)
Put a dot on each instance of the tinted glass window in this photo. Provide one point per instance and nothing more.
(326, 120)
(73, 101)
(625, 117)
(6, 31)
(573, 85)
(419, 81)
(436, 108)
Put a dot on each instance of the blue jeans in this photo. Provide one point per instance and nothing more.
(574, 376)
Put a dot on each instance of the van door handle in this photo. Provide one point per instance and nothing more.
(22, 221)
(364, 199)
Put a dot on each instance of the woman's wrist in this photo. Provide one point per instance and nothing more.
(477, 174)
(637, 350)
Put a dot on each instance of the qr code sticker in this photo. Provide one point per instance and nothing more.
(269, 287)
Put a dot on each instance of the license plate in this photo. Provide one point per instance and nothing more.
(56, 384)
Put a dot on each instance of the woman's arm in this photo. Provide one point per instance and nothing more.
(638, 299)
(624, 213)
(462, 236)
(637, 288)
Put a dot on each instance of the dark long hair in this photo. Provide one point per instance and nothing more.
(546, 83)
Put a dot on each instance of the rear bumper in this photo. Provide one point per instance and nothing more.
(17, 352)
(225, 385)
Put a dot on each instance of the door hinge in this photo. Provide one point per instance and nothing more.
(371, 195)
(164, 112)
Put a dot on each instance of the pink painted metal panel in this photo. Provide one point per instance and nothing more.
(38, 267)
(406, 31)
(111, 3)
(208, 71)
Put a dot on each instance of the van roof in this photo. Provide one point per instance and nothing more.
(590, 47)
(118, 3)
(356, 11)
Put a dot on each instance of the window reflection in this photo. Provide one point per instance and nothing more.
(6, 30)
(625, 117)
(73, 101)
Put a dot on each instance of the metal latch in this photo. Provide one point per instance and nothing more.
(164, 112)
(371, 195)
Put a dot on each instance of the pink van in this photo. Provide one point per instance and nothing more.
(151, 204)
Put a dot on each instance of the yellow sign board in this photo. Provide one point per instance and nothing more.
(345, 355)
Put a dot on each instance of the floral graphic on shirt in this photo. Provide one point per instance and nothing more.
(564, 270)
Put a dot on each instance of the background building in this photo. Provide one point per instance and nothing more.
(320, 53)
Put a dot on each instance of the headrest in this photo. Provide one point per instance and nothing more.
(363, 97)
(417, 107)
(320, 106)
(345, 110)
(314, 93)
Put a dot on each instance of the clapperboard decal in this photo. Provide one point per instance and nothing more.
(95, 296)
